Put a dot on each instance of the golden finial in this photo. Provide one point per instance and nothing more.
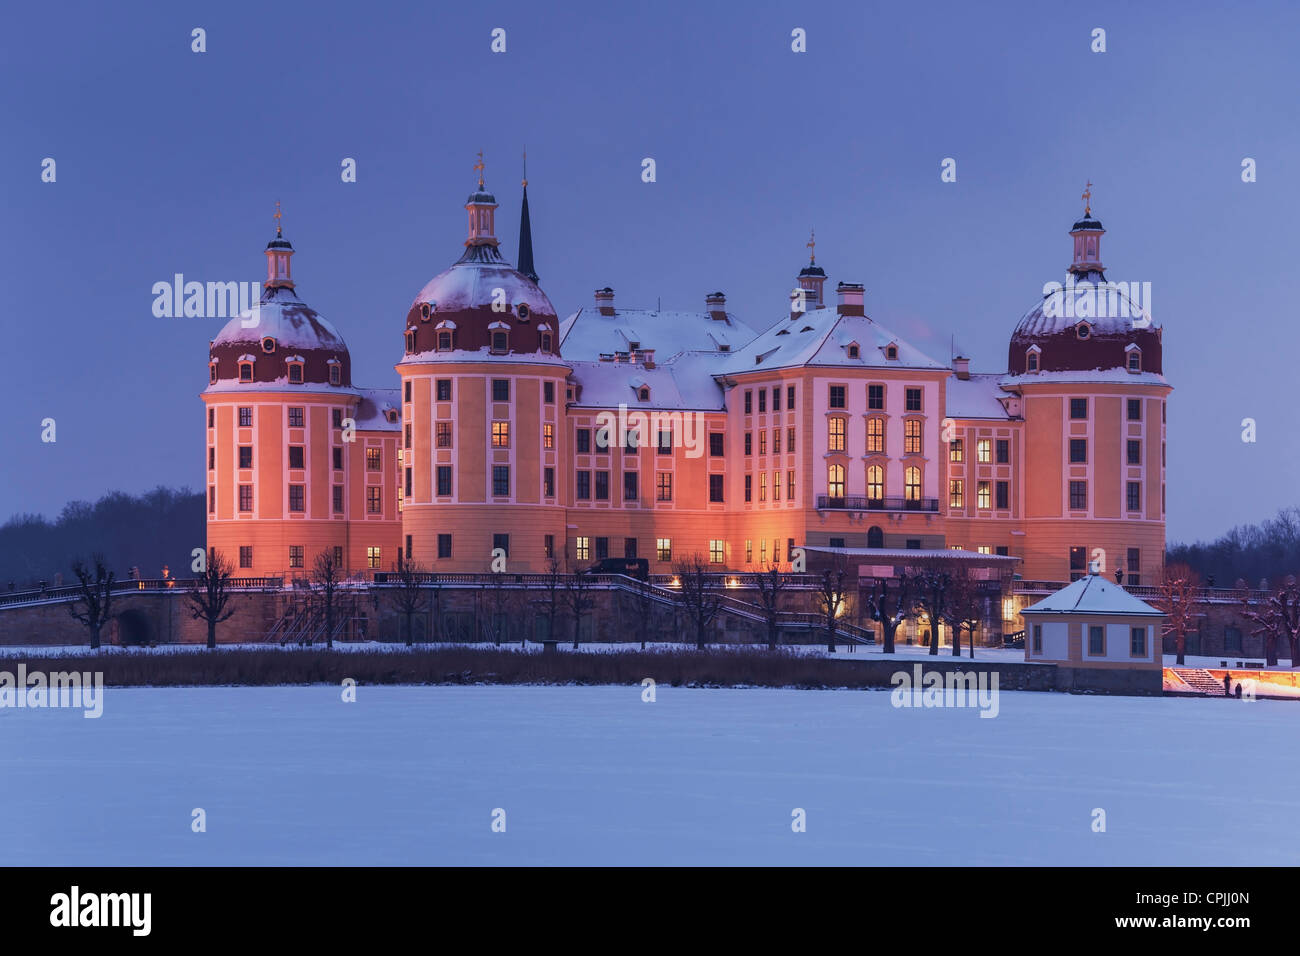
(525, 167)
(1087, 199)
(812, 247)
(479, 167)
(278, 214)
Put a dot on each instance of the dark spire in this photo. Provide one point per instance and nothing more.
(526, 233)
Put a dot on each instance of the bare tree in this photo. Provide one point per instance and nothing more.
(494, 626)
(830, 599)
(932, 585)
(326, 575)
(892, 602)
(965, 607)
(553, 602)
(579, 600)
(643, 603)
(698, 596)
(771, 585)
(1180, 591)
(409, 596)
(96, 595)
(1277, 617)
(210, 594)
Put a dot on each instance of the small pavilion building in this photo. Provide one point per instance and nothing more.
(1093, 622)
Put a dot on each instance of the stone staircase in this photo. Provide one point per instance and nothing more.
(1200, 681)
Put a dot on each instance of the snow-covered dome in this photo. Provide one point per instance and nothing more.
(1086, 321)
(483, 303)
(273, 335)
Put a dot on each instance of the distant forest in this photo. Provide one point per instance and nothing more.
(159, 527)
(163, 526)
(1252, 552)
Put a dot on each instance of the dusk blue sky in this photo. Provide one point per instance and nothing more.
(171, 161)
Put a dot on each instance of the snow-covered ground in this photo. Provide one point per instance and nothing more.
(593, 775)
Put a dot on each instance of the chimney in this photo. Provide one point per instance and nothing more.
(850, 298)
(961, 366)
(799, 304)
(605, 300)
(717, 306)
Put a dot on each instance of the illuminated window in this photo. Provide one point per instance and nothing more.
(373, 559)
(582, 548)
(664, 486)
(762, 486)
(955, 496)
(789, 439)
(984, 495)
(983, 451)
(716, 551)
(664, 549)
(875, 482)
(789, 486)
(912, 436)
(912, 483)
(955, 450)
(374, 461)
(500, 434)
(762, 443)
(776, 485)
(835, 438)
(876, 435)
(442, 431)
(548, 435)
(835, 481)
(776, 441)
(749, 552)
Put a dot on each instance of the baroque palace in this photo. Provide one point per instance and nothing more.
(665, 435)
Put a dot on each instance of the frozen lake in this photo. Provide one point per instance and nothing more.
(592, 775)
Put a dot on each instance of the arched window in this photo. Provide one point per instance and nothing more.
(1135, 360)
(245, 371)
(912, 483)
(444, 341)
(875, 537)
(1031, 360)
(835, 481)
(875, 483)
(212, 372)
(336, 376)
(410, 343)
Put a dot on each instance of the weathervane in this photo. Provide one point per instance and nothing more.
(812, 246)
(1087, 199)
(479, 167)
(278, 214)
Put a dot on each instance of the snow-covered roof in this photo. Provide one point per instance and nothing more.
(1093, 376)
(374, 403)
(686, 383)
(976, 397)
(1093, 594)
(586, 334)
(473, 284)
(822, 337)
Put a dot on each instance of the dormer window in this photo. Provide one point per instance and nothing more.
(1083, 330)
(853, 350)
(336, 373)
(295, 371)
(1134, 358)
(500, 342)
(268, 345)
(643, 393)
(444, 341)
(410, 342)
(245, 371)
(524, 311)
(891, 352)
(426, 309)
(212, 372)
(546, 341)
(1031, 358)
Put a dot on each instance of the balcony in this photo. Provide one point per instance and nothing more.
(862, 503)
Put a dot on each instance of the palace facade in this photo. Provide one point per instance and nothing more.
(620, 432)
